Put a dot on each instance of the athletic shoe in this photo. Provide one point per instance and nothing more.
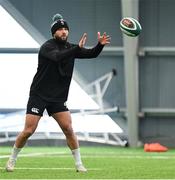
(80, 168)
(10, 165)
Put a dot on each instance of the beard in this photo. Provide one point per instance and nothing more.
(62, 39)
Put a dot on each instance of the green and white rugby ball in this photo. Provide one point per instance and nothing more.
(130, 26)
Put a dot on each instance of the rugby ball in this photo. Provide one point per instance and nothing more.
(130, 26)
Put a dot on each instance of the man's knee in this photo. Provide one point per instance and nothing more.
(27, 133)
(68, 131)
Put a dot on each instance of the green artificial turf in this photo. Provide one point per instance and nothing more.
(101, 162)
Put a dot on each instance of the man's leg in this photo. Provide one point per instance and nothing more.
(65, 122)
(31, 123)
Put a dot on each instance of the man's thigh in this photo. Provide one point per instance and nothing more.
(63, 119)
(31, 122)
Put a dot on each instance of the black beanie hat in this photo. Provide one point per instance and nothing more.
(58, 22)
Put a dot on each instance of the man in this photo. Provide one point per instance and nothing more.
(50, 86)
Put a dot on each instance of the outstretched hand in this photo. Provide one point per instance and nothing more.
(82, 40)
(103, 39)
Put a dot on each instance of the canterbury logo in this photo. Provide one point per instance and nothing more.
(35, 110)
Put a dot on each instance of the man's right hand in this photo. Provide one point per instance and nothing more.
(83, 40)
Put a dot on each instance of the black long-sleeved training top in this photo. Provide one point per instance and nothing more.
(55, 67)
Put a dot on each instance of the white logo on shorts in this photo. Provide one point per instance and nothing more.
(35, 110)
(65, 104)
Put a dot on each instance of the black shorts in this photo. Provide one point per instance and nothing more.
(37, 105)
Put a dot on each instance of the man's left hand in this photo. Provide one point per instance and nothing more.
(103, 39)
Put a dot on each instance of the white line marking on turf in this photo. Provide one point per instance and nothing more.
(35, 154)
(51, 168)
(64, 154)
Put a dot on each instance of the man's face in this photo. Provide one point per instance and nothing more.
(62, 34)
